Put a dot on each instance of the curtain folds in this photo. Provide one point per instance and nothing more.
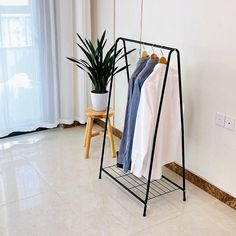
(38, 86)
(72, 17)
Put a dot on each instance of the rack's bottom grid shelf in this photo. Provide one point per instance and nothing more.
(138, 186)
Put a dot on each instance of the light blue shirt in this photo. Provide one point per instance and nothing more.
(139, 67)
(143, 75)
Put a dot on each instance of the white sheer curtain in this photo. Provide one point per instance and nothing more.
(72, 16)
(38, 87)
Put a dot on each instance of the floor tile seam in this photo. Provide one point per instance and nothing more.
(65, 202)
(42, 178)
(21, 199)
(198, 207)
(98, 208)
(69, 207)
(154, 225)
(89, 227)
(193, 211)
(20, 158)
(183, 207)
(202, 204)
(70, 210)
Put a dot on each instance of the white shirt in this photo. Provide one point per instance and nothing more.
(168, 134)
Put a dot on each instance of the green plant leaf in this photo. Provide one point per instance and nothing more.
(83, 42)
(123, 55)
(72, 59)
(98, 64)
(88, 55)
(122, 68)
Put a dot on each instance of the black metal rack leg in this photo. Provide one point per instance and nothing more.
(145, 210)
(108, 107)
(156, 129)
(182, 124)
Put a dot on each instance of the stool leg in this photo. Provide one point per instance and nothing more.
(88, 140)
(113, 150)
(86, 133)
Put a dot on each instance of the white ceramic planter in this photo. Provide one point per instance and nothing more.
(99, 101)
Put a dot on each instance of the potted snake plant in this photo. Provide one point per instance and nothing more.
(98, 65)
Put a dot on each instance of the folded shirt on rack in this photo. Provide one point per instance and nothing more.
(169, 129)
(139, 67)
(143, 75)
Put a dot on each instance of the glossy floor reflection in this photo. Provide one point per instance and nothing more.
(48, 188)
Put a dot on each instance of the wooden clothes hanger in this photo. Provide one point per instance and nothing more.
(162, 59)
(153, 55)
(144, 53)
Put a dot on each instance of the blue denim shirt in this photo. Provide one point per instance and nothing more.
(143, 75)
(139, 67)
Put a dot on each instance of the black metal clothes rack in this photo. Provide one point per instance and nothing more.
(141, 188)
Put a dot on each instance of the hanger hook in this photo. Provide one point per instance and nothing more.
(161, 52)
(153, 49)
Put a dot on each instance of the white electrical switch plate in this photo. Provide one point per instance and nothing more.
(230, 123)
(220, 119)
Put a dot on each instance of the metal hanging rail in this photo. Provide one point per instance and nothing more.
(141, 188)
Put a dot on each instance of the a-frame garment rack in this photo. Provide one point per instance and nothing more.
(141, 188)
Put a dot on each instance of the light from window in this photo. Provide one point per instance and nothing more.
(14, 2)
(15, 31)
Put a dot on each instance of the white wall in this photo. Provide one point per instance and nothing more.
(126, 18)
(103, 19)
(205, 33)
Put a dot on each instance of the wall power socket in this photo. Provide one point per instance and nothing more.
(220, 119)
(225, 121)
(230, 123)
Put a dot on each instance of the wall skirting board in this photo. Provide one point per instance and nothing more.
(204, 185)
(115, 131)
(196, 180)
(65, 126)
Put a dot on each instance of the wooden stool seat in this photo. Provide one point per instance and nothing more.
(98, 114)
(89, 133)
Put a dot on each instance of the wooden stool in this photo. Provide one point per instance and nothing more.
(91, 115)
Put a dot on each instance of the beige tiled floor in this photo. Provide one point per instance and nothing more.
(48, 188)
